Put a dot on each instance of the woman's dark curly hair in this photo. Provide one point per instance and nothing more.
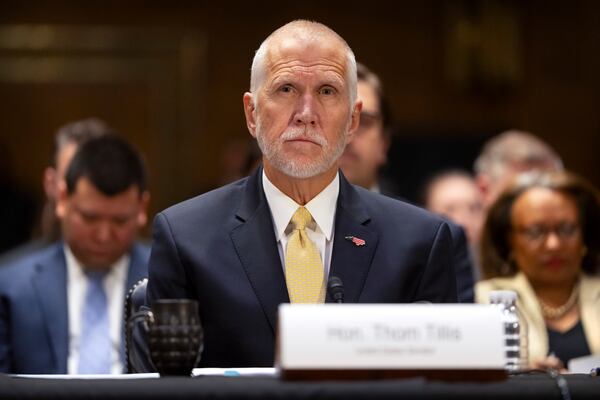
(495, 239)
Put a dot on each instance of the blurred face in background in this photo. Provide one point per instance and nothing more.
(458, 198)
(54, 175)
(546, 240)
(494, 187)
(100, 229)
(367, 152)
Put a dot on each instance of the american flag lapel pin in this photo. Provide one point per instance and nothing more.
(357, 241)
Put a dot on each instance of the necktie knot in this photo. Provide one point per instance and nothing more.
(301, 218)
(95, 276)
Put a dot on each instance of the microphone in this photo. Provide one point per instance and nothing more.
(335, 287)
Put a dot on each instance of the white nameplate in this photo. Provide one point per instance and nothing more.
(390, 336)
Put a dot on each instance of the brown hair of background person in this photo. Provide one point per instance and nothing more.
(495, 249)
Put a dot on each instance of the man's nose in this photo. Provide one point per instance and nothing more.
(307, 110)
(103, 231)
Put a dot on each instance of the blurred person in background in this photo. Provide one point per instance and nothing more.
(239, 158)
(455, 195)
(508, 154)
(366, 154)
(61, 308)
(541, 239)
(66, 141)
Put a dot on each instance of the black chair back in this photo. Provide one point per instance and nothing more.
(137, 355)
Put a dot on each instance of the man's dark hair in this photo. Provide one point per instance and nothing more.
(111, 163)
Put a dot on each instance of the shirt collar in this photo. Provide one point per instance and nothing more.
(76, 269)
(322, 207)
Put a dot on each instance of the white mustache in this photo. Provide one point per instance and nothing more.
(297, 133)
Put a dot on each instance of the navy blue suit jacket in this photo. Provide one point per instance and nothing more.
(34, 332)
(461, 258)
(462, 263)
(220, 249)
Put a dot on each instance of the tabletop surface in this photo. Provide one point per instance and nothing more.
(538, 386)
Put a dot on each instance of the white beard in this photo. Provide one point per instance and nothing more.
(272, 151)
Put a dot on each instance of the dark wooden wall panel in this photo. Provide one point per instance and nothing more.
(180, 72)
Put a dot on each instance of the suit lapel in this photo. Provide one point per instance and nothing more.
(349, 261)
(50, 283)
(260, 257)
(257, 250)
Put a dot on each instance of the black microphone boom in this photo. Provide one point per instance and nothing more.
(335, 287)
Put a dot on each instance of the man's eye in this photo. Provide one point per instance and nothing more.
(286, 89)
(89, 217)
(120, 221)
(327, 91)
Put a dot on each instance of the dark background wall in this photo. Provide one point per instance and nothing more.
(170, 75)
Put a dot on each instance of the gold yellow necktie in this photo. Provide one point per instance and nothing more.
(304, 273)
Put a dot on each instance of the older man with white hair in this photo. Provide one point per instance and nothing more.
(508, 154)
(278, 235)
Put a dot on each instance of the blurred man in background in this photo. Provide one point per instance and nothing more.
(455, 195)
(507, 155)
(66, 141)
(366, 154)
(61, 308)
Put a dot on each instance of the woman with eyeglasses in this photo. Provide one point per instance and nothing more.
(541, 239)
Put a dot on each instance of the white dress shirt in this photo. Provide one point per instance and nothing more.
(114, 286)
(322, 208)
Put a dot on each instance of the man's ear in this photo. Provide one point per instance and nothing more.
(385, 147)
(383, 150)
(354, 119)
(62, 199)
(142, 218)
(249, 111)
(49, 182)
(484, 184)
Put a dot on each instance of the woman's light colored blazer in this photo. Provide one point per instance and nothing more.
(589, 301)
